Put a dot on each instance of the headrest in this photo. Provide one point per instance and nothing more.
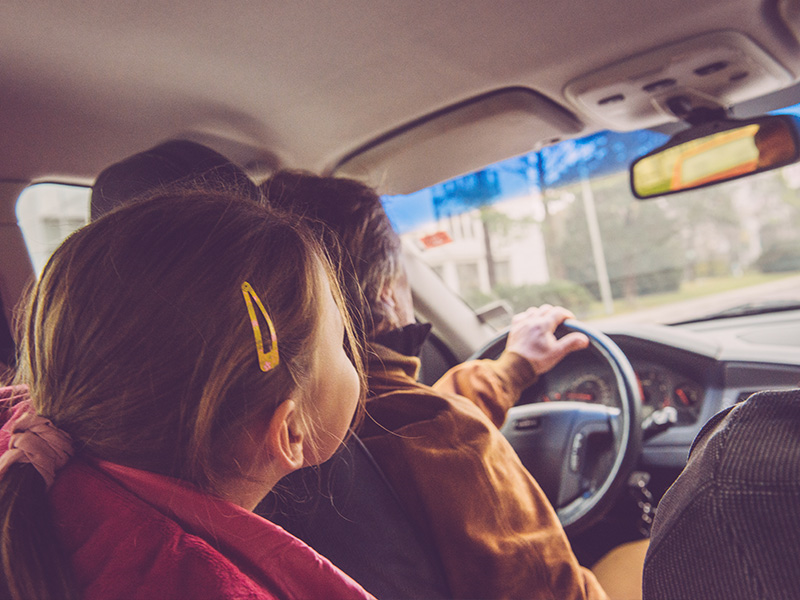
(175, 162)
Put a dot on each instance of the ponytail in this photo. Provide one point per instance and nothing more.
(34, 565)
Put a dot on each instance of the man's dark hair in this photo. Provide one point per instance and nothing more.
(168, 166)
(353, 212)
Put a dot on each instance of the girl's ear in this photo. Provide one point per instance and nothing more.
(285, 437)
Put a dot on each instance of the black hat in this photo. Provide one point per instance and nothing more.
(174, 162)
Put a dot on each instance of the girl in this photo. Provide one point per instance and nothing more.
(178, 357)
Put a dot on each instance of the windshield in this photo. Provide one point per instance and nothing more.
(561, 226)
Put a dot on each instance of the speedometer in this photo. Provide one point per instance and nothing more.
(590, 388)
(578, 378)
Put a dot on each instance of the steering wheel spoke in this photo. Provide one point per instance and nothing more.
(592, 434)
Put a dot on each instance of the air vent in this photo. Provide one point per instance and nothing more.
(661, 84)
(711, 68)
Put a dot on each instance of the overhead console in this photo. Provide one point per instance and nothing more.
(717, 69)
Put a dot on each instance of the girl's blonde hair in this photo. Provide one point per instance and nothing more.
(137, 342)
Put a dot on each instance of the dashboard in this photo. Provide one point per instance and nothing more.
(660, 386)
(698, 369)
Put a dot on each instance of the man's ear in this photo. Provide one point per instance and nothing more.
(285, 437)
(388, 318)
(398, 305)
(387, 296)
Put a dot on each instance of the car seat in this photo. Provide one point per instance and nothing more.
(728, 526)
(347, 511)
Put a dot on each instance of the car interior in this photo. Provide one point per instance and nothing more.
(635, 162)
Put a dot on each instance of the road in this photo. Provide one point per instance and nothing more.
(783, 289)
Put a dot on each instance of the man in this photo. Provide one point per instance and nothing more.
(461, 482)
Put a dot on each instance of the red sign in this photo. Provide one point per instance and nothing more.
(440, 238)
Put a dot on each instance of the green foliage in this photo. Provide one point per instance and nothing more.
(780, 248)
(657, 282)
(557, 292)
(780, 258)
(477, 299)
(652, 248)
(642, 242)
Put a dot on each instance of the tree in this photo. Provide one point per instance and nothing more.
(642, 244)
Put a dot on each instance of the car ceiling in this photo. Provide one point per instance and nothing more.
(303, 84)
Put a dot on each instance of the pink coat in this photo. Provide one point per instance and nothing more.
(134, 534)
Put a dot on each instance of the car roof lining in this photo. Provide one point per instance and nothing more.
(280, 85)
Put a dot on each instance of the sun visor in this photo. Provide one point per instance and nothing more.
(718, 69)
(459, 139)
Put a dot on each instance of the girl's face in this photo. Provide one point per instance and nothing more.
(333, 390)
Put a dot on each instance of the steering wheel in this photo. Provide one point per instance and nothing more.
(580, 454)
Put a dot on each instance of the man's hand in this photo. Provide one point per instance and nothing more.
(532, 337)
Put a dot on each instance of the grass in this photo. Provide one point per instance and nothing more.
(689, 290)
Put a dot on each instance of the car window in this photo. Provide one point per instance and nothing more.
(47, 213)
(561, 226)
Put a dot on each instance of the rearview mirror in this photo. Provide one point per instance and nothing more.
(714, 152)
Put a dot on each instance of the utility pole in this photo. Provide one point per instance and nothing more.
(597, 245)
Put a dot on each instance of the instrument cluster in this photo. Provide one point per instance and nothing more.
(582, 380)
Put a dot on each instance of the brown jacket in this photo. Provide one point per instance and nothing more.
(496, 532)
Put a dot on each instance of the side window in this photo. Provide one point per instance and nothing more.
(47, 213)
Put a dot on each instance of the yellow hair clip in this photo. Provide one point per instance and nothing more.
(266, 360)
